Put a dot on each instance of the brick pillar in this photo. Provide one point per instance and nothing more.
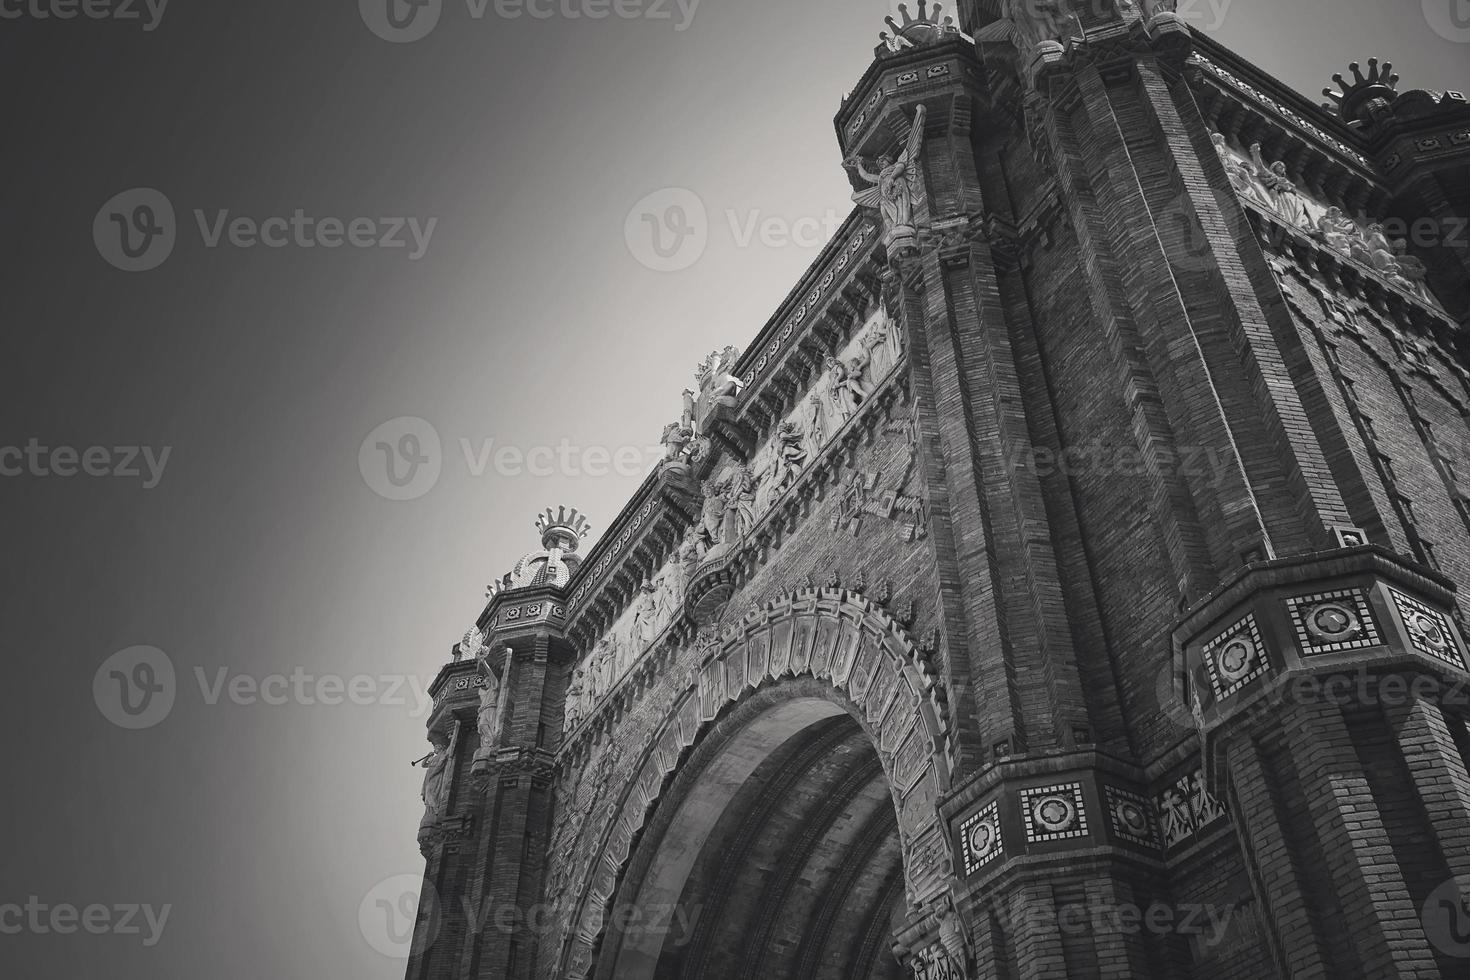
(1274, 867)
(1439, 773)
(516, 814)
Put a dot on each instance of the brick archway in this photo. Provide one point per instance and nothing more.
(815, 655)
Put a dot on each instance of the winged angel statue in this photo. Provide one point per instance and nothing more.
(896, 186)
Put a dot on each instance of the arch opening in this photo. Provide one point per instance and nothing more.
(775, 853)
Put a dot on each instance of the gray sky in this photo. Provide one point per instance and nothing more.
(527, 320)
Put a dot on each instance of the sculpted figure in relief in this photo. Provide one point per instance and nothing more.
(646, 615)
(674, 440)
(488, 716)
(1411, 271)
(1338, 230)
(712, 517)
(791, 453)
(897, 184)
(576, 708)
(846, 381)
(740, 490)
(1279, 188)
(436, 768)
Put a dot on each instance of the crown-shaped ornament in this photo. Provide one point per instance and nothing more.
(927, 28)
(565, 529)
(1366, 97)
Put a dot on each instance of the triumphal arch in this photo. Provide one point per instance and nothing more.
(1062, 583)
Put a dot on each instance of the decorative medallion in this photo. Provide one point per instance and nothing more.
(1429, 631)
(980, 838)
(1329, 622)
(1235, 658)
(1131, 817)
(1054, 812)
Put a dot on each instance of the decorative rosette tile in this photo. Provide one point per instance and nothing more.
(1235, 658)
(1329, 622)
(980, 838)
(1429, 631)
(1131, 817)
(1054, 812)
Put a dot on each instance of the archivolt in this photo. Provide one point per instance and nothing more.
(834, 636)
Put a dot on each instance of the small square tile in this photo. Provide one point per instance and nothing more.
(1428, 628)
(1330, 622)
(1054, 812)
(980, 838)
(1235, 658)
(1131, 817)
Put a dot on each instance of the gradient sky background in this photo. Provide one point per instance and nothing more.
(263, 549)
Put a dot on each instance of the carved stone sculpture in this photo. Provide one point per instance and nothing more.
(436, 773)
(675, 440)
(740, 487)
(791, 453)
(897, 187)
(576, 707)
(1380, 252)
(489, 714)
(846, 384)
(710, 532)
(1411, 271)
(815, 421)
(1241, 174)
(1337, 230)
(1280, 191)
(646, 615)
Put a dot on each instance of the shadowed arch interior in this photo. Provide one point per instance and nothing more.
(775, 853)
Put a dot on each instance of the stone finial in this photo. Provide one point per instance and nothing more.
(565, 529)
(915, 32)
(1367, 97)
(562, 532)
